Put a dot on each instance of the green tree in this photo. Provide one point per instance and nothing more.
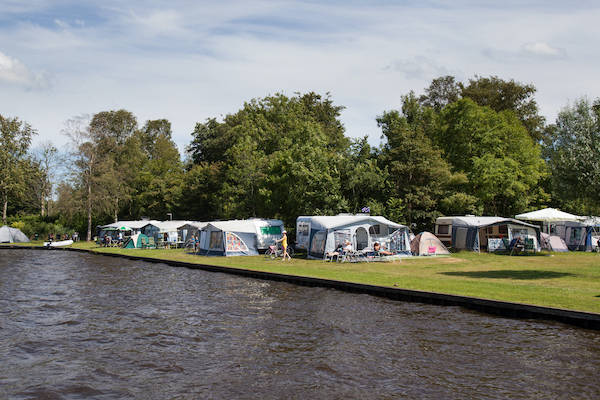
(158, 174)
(573, 151)
(441, 92)
(277, 156)
(501, 95)
(111, 133)
(364, 182)
(91, 178)
(15, 139)
(418, 174)
(495, 152)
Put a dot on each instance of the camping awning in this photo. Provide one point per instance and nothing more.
(548, 215)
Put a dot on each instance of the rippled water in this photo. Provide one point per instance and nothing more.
(76, 326)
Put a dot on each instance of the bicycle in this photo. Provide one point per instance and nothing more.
(275, 251)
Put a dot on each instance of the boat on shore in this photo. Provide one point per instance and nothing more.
(59, 243)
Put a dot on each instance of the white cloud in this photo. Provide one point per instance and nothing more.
(13, 71)
(543, 49)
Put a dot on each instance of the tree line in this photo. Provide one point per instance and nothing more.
(477, 147)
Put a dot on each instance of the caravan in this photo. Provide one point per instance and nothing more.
(324, 234)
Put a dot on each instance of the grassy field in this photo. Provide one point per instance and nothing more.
(562, 280)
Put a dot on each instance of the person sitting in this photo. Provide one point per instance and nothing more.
(347, 248)
(379, 251)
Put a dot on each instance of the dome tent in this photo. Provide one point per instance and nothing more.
(427, 244)
(12, 235)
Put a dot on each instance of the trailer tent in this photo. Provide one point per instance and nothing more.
(427, 244)
(487, 233)
(323, 234)
(12, 235)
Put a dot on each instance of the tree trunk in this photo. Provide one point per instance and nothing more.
(89, 212)
(116, 209)
(43, 204)
(4, 207)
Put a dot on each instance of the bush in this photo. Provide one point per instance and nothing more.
(31, 225)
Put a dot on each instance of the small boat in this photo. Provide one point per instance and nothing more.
(59, 243)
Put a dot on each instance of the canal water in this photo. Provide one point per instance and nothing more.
(77, 326)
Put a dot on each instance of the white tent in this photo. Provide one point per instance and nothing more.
(427, 244)
(548, 215)
(12, 235)
(320, 235)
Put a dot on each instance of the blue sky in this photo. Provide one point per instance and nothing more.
(190, 60)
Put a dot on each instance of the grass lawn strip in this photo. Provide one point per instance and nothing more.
(561, 280)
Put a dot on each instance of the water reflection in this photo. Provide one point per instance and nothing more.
(82, 326)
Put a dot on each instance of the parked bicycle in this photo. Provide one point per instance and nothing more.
(275, 251)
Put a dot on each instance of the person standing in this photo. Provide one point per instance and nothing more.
(284, 246)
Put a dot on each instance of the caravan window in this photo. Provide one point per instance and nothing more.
(575, 234)
(216, 240)
(303, 229)
(443, 229)
(374, 229)
(270, 230)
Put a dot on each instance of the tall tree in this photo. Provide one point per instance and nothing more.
(501, 161)
(92, 174)
(277, 156)
(15, 139)
(441, 92)
(159, 173)
(501, 95)
(418, 174)
(111, 134)
(573, 150)
(47, 159)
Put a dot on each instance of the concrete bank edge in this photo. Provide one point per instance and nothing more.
(495, 307)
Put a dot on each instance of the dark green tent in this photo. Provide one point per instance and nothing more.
(136, 241)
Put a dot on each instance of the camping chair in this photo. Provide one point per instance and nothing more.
(151, 243)
(529, 246)
(330, 255)
(517, 246)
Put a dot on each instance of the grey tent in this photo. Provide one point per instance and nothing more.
(487, 233)
(12, 235)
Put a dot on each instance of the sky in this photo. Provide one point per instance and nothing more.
(187, 61)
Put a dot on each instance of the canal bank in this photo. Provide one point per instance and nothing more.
(495, 307)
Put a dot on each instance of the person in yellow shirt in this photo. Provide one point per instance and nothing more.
(284, 245)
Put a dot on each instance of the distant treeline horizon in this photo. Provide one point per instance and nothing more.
(477, 147)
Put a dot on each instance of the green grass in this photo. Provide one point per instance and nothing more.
(561, 280)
